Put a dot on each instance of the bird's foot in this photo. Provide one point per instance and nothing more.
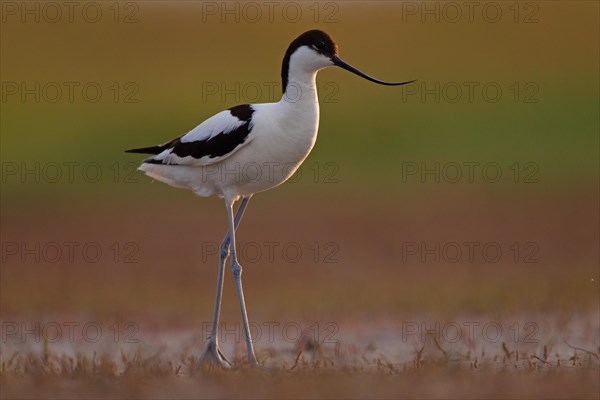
(212, 356)
(258, 367)
(253, 363)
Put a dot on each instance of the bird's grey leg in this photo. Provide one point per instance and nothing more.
(212, 350)
(236, 268)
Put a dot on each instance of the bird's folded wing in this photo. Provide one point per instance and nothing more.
(213, 140)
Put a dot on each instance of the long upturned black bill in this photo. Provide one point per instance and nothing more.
(342, 64)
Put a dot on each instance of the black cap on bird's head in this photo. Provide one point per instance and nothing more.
(324, 46)
(319, 41)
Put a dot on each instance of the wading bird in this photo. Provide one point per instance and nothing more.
(247, 149)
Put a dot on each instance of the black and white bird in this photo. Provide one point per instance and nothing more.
(247, 149)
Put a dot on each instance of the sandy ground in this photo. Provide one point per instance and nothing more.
(516, 357)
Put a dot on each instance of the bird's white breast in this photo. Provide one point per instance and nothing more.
(283, 135)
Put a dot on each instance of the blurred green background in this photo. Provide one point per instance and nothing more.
(352, 192)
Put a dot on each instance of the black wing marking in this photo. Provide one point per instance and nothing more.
(204, 141)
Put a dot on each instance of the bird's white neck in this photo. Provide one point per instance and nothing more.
(299, 74)
(298, 109)
(301, 88)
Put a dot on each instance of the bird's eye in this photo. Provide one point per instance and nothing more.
(320, 45)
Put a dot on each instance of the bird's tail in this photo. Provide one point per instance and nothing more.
(147, 150)
(154, 149)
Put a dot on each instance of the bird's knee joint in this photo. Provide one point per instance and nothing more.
(236, 269)
(224, 249)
